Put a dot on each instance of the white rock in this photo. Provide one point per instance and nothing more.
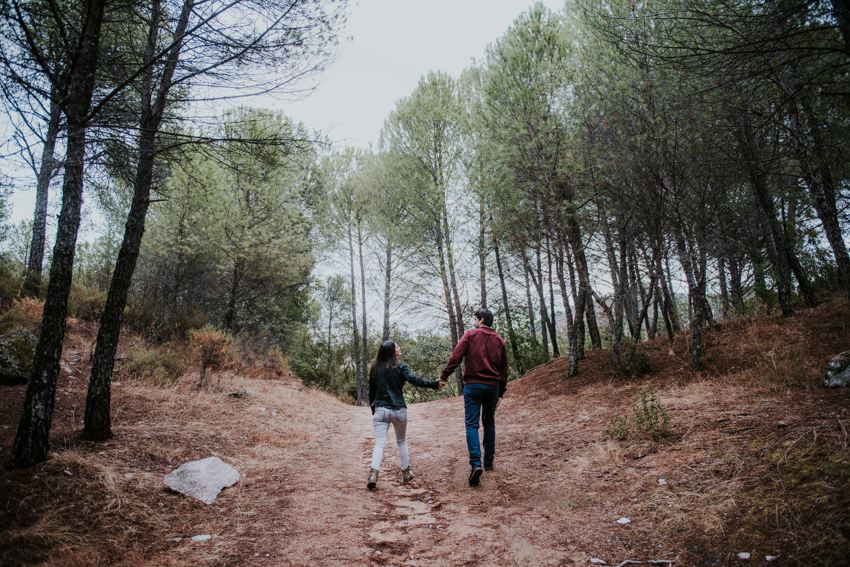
(597, 561)
(743, 555)
(201, 537)
(662, 481)
(175, 539)
(128, 475)
(377, 552)
(202, 479)
(770, 558)
(624, 521)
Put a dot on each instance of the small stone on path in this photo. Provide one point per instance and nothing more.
(201, 537)
(662, 481)
(770, 558)
(743, 555)
(623, 521)
(597, 561)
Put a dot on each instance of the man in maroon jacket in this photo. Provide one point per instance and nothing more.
(485, 378)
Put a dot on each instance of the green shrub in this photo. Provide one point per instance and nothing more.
(86, 303)
(651, 418)
(10, 283)
(650, 421)
(190, 318)
(636, 364)
(25, 313)
(155, 365)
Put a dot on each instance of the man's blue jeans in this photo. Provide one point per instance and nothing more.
(480, 401)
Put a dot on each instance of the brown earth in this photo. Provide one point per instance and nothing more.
(755, 460)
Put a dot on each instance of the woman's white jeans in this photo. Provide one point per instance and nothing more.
(381, 420)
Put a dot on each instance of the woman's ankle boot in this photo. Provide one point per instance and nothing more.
(406, 475)
(373, 479)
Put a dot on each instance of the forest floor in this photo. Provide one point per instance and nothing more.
(755, 460)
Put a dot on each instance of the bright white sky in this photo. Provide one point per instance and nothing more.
(392, 44)
(386, 46)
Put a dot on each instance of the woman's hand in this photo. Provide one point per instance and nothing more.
(442, 384)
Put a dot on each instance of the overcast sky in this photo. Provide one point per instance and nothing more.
(386, 46)
(391, 44)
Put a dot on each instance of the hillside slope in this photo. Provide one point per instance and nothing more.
(755, 460)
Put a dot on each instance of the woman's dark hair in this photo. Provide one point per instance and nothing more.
(385, 356)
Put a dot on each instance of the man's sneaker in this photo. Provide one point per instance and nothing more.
(475, 475)
(406, 475)
(488, 467)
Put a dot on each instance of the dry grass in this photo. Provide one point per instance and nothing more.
(755, 460)
(105, 504)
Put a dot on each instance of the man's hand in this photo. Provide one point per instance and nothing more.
(497, 403)
(442, 384)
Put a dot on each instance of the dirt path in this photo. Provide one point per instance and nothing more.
(522, 513)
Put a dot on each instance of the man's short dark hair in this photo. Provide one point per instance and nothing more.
(485, 314)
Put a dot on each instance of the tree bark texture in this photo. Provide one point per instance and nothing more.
(97, 422)
(565, 298)
(32, 439)
(482, 254)
(387, 280)
(35, 259)
(531, 322)
(579, 293)
(360, 372)
(453, 277)
(696, 290)
(574, 234)
(364, 323)
(448, 296)
(553, 329)
(776, 243)
(508, 319)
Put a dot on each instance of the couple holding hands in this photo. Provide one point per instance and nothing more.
(485, 378)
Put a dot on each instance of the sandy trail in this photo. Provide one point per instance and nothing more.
(520, 514)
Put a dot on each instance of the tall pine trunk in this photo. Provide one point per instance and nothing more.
(35, 258)
(387, 277)
(97, 415)
(578, 301)
(574, 234)
(553, 328)
(453, 276)
(565, 299)
(511, 332)
(360, 372)
(696, 291)
(32, 439)
(448, 297)
(364, 323)
(531, 321)
(482, 254)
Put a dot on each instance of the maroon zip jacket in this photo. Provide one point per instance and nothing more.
(485, 359)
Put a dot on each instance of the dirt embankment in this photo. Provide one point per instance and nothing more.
(755, 460)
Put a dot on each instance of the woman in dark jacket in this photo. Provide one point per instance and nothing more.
(386, 380)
